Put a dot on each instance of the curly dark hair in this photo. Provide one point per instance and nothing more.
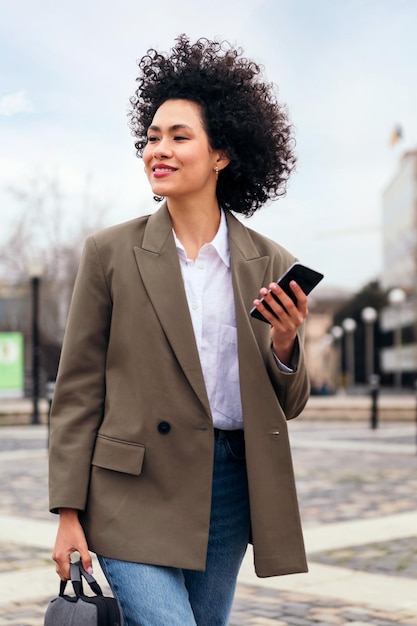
(240, 112)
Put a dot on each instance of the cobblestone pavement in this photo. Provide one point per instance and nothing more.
(397, 557)
(262, 607)
(333, 485)
(255, 606)
(347, 485)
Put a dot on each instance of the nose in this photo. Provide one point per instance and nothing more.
(162, 150)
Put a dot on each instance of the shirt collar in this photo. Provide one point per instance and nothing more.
(220, 242)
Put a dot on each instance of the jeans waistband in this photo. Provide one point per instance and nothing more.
(228, 434)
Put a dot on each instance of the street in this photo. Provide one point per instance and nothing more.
(357, 489)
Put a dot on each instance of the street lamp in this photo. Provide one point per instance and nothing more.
(337, 334)
(397, 297)
(349, 326)
(35, 273)
(369, 315)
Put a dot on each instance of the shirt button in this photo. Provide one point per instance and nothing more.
(194, 306)
(200, 266)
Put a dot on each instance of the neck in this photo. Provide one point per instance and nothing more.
(194, 226)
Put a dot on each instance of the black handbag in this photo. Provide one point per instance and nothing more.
(82, 610)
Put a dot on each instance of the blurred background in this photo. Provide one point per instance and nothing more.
(346, 70)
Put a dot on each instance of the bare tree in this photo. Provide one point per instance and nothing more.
(49, 225)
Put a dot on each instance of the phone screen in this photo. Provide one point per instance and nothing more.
(304, 276)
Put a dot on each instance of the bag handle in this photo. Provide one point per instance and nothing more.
(77, 573)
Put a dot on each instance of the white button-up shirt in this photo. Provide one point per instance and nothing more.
(209, 290)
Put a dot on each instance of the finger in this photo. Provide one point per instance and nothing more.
(266, 311)
(299, 294)
(63, 560)
(62, 568)
(271, 302)
(279, 301)
(292, 308)
(87, 562)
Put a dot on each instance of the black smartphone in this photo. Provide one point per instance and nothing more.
(304, 276)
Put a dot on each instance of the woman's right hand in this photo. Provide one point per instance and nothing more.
(70, 538)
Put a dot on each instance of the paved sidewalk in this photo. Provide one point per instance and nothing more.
(357, 490)
(350, 407)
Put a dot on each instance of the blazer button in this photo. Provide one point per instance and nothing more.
(164, 428)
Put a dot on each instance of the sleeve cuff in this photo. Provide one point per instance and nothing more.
(281, 366)
(292, 368)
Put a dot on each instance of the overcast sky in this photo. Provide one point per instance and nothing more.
(346, 69)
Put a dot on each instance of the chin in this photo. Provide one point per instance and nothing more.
(157, 190)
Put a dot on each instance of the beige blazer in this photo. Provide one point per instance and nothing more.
(131, 442)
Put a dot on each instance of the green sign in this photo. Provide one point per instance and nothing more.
(11, 364)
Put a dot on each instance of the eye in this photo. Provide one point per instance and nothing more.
(180, 138)
(152, 138)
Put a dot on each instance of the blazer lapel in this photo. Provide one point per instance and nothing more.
(158, 264)
(248, 270)
(248, 267)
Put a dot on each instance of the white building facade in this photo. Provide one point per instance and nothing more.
(399, 225)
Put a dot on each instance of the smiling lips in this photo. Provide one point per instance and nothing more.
(160, 171)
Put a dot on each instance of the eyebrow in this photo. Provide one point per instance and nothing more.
(174, 127)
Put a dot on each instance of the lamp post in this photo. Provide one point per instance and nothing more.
(369, 315)
(35, 274)
(349, 326)
(397, 297)
(337, 333)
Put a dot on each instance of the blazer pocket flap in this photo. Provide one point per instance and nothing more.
(119, 456)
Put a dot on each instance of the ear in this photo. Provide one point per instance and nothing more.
(222, 160)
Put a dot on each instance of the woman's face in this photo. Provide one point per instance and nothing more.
(179, 161)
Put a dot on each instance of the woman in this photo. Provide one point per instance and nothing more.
(169, 449)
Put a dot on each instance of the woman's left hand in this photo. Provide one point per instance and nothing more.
(286, 317)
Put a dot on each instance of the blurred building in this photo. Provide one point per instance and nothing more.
(319, 345)
(399, 224)
(394, 345)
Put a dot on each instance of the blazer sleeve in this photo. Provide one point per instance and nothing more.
(291, 388)
(78, 403)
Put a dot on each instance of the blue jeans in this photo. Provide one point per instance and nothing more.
(152, 595)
